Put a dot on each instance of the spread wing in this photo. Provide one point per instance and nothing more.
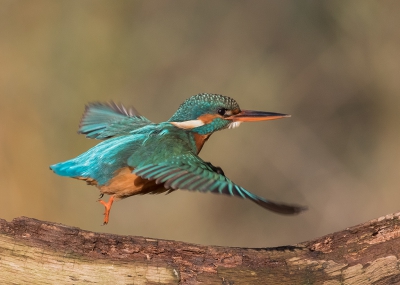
(188, 171)
(105, 120)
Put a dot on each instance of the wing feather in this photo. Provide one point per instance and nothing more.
(173, 182)
(173, 163)
(106, 120)
(204, 179)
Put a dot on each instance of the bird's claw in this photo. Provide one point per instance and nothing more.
(107, 206)
(216, 169)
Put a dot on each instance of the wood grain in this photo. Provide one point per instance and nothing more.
(39, 252)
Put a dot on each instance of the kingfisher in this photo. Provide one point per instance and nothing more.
(137, 156)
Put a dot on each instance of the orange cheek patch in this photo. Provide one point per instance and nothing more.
(208, 118)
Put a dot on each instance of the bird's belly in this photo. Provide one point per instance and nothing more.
(125, 184)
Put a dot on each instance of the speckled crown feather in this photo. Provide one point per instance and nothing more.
(200, 104)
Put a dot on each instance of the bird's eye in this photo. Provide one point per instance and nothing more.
(221, 111)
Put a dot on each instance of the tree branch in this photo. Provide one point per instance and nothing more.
(34, 251)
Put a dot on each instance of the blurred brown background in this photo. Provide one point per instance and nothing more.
(333, 65)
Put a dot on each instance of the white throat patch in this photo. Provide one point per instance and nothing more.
(234, 125)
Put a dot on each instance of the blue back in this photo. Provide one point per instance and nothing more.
(103, 160)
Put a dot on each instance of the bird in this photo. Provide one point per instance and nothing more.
(137, 156)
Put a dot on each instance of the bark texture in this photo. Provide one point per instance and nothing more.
(39, 252)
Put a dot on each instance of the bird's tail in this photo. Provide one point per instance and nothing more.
(67, 168)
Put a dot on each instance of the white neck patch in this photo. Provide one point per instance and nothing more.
(188, 124)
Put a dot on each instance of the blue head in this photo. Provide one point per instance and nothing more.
(206, 113)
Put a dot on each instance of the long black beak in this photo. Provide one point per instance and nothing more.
(253, 116)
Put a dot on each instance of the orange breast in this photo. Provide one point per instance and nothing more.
(200, 140)
(125, 184)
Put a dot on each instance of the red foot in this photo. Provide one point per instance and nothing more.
(107, 210)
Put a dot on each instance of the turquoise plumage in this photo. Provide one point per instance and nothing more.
(140, 157)
(102, 121)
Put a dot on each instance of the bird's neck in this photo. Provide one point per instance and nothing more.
(200, 140)
(211, 126)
